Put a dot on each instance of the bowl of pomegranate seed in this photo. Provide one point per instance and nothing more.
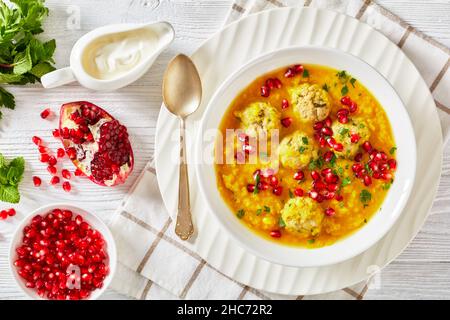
(62, 252)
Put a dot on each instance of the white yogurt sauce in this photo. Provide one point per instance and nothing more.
(111, 56)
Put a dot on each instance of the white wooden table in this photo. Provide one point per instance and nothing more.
(422, 271)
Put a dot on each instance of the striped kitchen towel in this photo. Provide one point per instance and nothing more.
(154, 264)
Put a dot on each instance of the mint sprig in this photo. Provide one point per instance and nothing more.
(10, 176)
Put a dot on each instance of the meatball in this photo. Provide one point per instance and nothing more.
(352, 135)
(302, 216)
(257, 117)
(297, 150)
(311, 102)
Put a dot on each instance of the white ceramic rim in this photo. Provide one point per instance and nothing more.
(351, 35)
(395, 200)
(93, 220)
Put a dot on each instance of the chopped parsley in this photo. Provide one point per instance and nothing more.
(325, 87)
(365, 196)
(343, 132)
(346, 181)
(266, 209)
(305, 73)
(281, 223)
(291, 195)
(352, 82)
(302, 149)
(257, 180)
(393, 149)
(258, 212)
(305, 140)
(240, 213)
(311, 241)
(344, 90)
(386, 186)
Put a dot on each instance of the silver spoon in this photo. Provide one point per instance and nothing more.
(182, 93)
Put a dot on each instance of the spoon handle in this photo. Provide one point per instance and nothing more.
(184, 227)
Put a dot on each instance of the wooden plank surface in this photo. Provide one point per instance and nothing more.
(422, 271)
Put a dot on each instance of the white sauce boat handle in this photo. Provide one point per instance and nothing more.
(57, 78)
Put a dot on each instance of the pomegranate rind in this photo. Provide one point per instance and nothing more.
(120, 178)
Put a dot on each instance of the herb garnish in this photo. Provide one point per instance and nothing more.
(305, 140)
(365, 196)
(281, 223)
(305, 73)
(10, 176)
(240, 213)
(393, 149)
(346, 181)
(258, 212)
(23, 58)
(325, 87)
(266, 209)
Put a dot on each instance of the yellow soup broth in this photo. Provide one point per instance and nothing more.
(281, 213)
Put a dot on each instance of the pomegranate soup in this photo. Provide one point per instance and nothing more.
(333, 158)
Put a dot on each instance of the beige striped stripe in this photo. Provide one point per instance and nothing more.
(404, 37)
(442, 107)
(440, 76)
(363, 292)
(151, 170)
(243, 293)
(299, 298)
(192, 279)
(351, 292)
(307, 3)
(363, 9)
(258, 293)
(153, 246)
(276, 2)
(237, 8)
(146, 289)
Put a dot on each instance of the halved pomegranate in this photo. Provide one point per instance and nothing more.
(96, 143)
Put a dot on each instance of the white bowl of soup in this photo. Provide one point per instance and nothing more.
(306, 156)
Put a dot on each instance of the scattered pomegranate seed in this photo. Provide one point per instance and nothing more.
(286, 122)
(284, 104)
(270, 83)
(367, 146)
(250, 188)
(315, 175)
(66, 186)
(52, 170)
(358, 157)
(392, 164)
(327, 131)
(71, 153)
(60, 153)
(338, 147)
(339, 197)
(290, 72)
(36, 140)
(43, 157)
(66, 174)
(357, 167)
(263, 185)
(256, 174)
(3, 215)
(277, 83)
(273, 181)
(367, 180)
(78, 172)
(37, 181)
(354, 138)
(299, 175)
(265, 91)
(11, 212)
(327, 122)
(45, 113)
(346, 101)
(277, 190)
(298, 192)
(318, 125)
(298, 68)
(52, 160)
(43, 149)
(328, 156)
(54, 180)
(332, 187)
(353, 107)
(275, 234)
(55, 133)
(329, 212)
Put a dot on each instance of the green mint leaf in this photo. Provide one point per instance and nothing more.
(344, 90)
(9, 194)
(23, 62)
(305, 73)
(7, 99)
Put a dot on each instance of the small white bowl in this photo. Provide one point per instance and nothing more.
(95, 223)
(397, 196)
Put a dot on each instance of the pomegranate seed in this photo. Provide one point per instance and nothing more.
(11, 212)
(299, 175)
(354, 138)
(66, 174)
(55, 133)
(322, 142)
(319, 185)
(78, 173)
(54, 180)
(289, 73)
(386, 176)
(265, 91)
(277, 190)
(52, 160)
(331, 142)
(318, 125)
(357, 167)
(367, 146)
(286, 122)
(277, 83)
(327, 122)
(43, 149)
(45, 113)
(338, 147)
(353, 107)
(315, 175)
(298, 192)
(328, 156)
(392, 164)
(263, 186)
(65, 133)
(66, 186)
(250, 187)
(367, 180)
(273, 181)
(275, 234)
(331, 178)
(256, 174)
(270, 83)
(43, 157)
(284, 104)
(358, 157)
(342, 112)
(3, 215)
(325, 171)
(332, 187)
(327, 131)
(346, 101)
(60, 152)
(36, 140)
(71, 153)
(313, 194)
(298, 68)
(343, 119)
(52, 170)
(37, 181)
(339, 197)
(329, 212)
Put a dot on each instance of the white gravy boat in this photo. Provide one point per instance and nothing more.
(84, 62)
